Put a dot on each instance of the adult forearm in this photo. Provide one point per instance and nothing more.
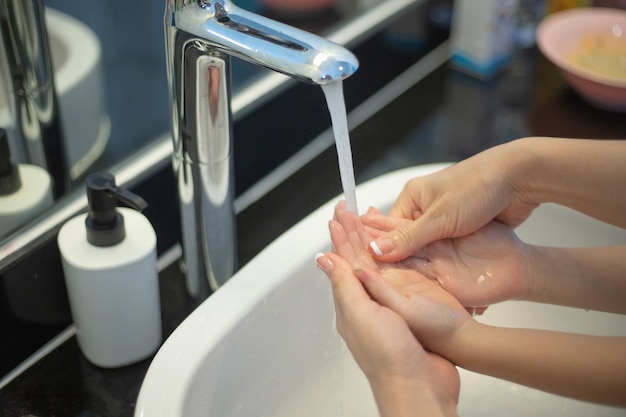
(586, 175)
(590, 278)
(589, 368)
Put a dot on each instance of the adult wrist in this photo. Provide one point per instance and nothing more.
(522, 166)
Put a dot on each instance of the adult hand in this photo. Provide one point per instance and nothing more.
(457, 201)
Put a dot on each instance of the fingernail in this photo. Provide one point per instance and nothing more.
(359, 273)
(480, 310)
(323, 262)
(381, 246)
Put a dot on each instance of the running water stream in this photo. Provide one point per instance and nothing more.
(337, 108)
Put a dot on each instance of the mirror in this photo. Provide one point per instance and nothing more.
(111, 91)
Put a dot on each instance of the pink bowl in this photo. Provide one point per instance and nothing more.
(561, 33)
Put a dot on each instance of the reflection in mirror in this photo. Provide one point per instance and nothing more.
(29, 106)
(25, 189)
(109, 95)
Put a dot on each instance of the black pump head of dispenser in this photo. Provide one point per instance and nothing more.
(105, 225)
(10, 180)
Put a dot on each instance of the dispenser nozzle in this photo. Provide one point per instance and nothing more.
(105, 225)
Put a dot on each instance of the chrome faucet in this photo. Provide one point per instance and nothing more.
(27, 90)
(200, 37)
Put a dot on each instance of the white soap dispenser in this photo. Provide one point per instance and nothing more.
(109, 262)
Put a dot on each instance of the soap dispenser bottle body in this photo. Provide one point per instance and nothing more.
(113, 289)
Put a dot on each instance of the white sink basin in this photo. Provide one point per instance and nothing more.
(265, 343)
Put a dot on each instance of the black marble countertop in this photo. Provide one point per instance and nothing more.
(66, 384)
(447, 116)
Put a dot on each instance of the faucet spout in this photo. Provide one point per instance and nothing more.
(265, 42)
(201, 36)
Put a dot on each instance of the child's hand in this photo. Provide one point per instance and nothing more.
(482, 268)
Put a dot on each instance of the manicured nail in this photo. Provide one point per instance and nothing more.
(375, 248)
(381, 246)
(323, 263)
